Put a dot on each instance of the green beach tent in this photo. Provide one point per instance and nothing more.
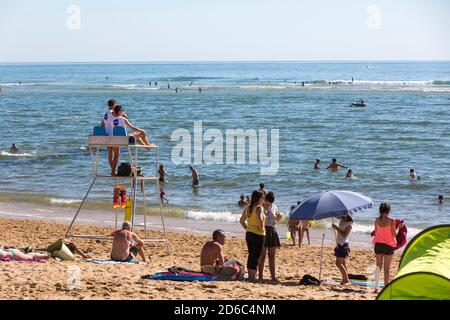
(424, 270)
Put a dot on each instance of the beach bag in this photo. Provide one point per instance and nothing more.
(309, 280)
(124, 170)
(60, 250)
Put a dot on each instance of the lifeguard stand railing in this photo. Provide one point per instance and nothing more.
(100, 140)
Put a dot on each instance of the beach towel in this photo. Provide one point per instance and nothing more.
(362, 283)
(104, 261)
(6, 259)
(180, 276)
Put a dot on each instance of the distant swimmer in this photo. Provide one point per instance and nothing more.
(176, 89)
(106, 78)
(261, 188)
(335, 166)
(156, 83)
(440, 199)
(150, 83)
(168, 85)
(14, 149)
(195, 177)
(190, 84)
(317, 164)
(303, 83)
(349, 174)
(199, 89)
(413, 175)
(353, 80)
(242, 203)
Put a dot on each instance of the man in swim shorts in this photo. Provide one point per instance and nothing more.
(195, 176)
(126, 245)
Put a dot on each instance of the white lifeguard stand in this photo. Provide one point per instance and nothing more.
(96, 143)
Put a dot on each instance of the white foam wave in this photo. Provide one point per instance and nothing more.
(63, 201)
(9, 154)
(223, 216)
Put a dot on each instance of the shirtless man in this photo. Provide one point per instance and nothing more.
(212, 251)
(195, 176)
(126, 244)
(335, 166)
(413, 175)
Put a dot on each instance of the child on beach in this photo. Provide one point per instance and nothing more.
(342, 248)
(162, 173)
(385, 241)
(303, 228)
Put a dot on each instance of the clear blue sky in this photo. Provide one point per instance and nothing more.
(226, 30)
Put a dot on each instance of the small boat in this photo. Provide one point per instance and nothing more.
(359, 104)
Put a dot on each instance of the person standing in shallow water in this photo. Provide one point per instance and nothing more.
(335, 166)
(317, 164)
(253, 221)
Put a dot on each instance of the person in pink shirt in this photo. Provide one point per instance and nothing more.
(385, 240)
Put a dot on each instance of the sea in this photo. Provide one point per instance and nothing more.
(48, 111)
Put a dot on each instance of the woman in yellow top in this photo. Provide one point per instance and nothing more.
(253, 220)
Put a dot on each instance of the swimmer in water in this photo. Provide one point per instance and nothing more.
(335, 166)
(317, 164)
(440, 199)
(349, 174)
(242, 203)
(413, 175)
(14, 149)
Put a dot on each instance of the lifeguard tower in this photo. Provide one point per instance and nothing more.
(98, 140)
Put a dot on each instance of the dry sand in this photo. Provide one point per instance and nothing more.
(49, 280)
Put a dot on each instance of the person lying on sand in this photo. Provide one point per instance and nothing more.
(17, 255)
(126, 244)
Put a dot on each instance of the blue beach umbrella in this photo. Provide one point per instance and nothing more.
(331, 204)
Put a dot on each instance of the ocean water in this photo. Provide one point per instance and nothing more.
(48, 110)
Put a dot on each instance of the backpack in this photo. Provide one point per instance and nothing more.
(309, 280)
(124, 170)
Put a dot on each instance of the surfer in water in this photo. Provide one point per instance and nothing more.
(14, 149)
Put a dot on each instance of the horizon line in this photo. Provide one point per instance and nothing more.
(221, 61)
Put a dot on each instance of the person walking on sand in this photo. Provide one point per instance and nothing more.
(342, 249)
(385, 241)
(195, 176)
(126, 244)
(335, 166)
(162, 173)
(271, 241)
(253, 221)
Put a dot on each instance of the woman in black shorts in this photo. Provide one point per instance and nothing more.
(272, 241)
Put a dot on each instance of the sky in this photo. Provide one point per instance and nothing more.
(226, 30)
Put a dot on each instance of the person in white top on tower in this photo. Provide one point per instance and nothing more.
(120, 121)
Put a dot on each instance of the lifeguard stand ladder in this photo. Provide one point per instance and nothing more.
(95, 143)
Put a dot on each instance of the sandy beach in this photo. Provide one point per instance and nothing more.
(49, 280)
